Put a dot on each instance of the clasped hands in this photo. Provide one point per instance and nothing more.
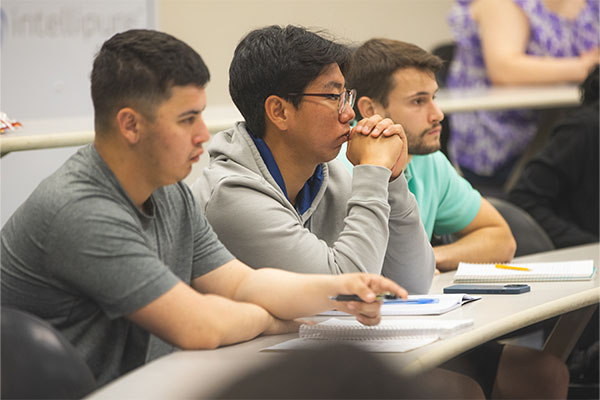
(378, 141)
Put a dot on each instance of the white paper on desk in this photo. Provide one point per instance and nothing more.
(445, 303)
(537, 272)
(391, 335)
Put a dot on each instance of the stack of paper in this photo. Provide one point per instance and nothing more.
(389, 336)
(532, 272)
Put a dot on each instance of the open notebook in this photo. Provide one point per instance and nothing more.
(397, 335)
(435, 304)
(531, 272)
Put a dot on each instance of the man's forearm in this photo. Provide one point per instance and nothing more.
(190, 320)
(288, 295)
(486, 245)
(238, 322)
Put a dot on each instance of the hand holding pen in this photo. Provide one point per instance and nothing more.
(352, 297)
(365, 288)
(388, 298)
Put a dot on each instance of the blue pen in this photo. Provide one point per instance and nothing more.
(411, 301)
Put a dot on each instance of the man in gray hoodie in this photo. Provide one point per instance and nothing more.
(274, 193)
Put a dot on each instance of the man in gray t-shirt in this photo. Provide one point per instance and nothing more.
(92, 256)
(112, 250)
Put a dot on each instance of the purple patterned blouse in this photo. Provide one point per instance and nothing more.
(483, 141)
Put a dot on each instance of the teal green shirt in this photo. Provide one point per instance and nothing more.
(447, 202)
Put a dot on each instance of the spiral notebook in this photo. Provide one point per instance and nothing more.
(530, 272)
(398, 335)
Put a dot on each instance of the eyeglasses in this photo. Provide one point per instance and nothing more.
(347, 96)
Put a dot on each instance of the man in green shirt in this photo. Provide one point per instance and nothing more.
(397, 80)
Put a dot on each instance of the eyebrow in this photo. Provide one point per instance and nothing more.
(190, 112)
(334, 85)
(422, 93)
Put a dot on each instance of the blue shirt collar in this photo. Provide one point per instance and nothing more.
(311, 187)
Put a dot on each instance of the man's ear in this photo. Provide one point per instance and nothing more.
(366, 106)
(276, 111)
(128, 123)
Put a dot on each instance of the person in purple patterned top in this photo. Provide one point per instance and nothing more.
(513, 42)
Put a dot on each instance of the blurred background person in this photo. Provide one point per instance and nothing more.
(513, 42)
(341, 370)
(559, 186)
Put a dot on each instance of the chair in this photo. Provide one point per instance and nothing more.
(445, 51)
(37, 362)
(529, 235)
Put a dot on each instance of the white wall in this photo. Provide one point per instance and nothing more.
(214, 27)
(47, 51)
(47, 55)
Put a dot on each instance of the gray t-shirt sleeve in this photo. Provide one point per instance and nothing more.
(100, 251)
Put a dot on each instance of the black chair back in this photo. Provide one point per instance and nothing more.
(529, 235)
(37, 362)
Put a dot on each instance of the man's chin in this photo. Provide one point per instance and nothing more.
(423, 150)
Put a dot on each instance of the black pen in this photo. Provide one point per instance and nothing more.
(353, 297)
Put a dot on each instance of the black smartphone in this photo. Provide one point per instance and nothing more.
(515, 288)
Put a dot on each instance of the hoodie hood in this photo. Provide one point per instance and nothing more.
(234, 157)
(237, 146)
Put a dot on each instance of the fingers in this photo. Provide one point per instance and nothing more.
(376, 125)
(368, 320)
(402, 161)
(365, 313)
(382, 151)
(367, 286)
(380, 284)
(363, 290)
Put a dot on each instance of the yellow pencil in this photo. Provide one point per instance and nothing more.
(502, 266)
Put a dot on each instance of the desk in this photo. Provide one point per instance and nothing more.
(196, 374)
(32, 136)
(507, 97)
(223, 117)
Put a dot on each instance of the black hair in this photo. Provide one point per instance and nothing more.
(277, 60)
(589, 87)
(138, 68)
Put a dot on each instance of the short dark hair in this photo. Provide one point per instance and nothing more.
(139, 68)
(372, 66)
(277, 60)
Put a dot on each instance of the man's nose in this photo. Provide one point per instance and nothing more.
(347, 114)
(202, 134)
